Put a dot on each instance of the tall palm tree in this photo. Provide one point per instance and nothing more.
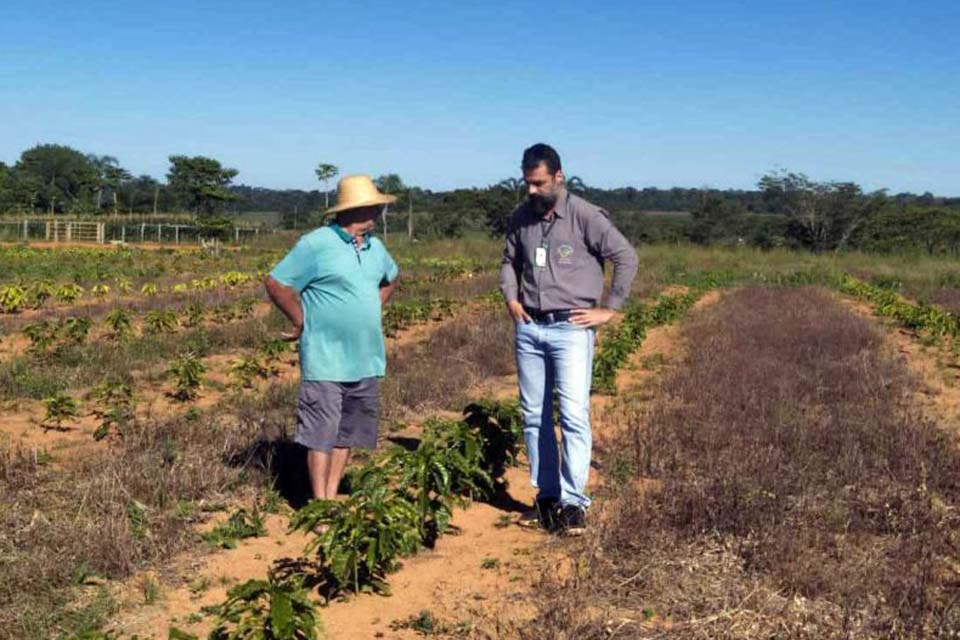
(114, 177)
(576, 185)
(102, 165)
(512, 184)
(325, 173)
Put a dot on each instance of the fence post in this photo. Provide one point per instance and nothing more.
(26, 229)
(143, 230)
(123, 234)
(236, 235)
(158, 234)
(69, 231)
(176, 234)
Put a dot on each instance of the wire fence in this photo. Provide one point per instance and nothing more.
(73, 231)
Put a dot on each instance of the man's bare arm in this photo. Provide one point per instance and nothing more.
(288, 301)
(386, 290)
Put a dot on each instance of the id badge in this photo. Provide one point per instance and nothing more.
(540, 257)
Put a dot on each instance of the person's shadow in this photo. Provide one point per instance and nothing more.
(285, 462)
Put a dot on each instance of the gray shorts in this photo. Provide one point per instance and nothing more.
(338, 414)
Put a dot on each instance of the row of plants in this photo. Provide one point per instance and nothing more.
(400, 501)
(113, 404)
(917, 316)
(441, 269)
(621, 341)
(402, 314)
(47, 336)
(89, 265)
(35, 295)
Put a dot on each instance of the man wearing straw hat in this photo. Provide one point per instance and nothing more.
(332, 286)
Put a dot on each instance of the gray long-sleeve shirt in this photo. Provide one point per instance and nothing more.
(558, 264)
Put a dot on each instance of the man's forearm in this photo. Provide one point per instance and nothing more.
(386, 291)
(286, 300)
(509, 282)
(625, 265)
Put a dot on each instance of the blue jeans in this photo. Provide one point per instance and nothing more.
(556, 355)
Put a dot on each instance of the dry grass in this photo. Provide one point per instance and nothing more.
(439, 372)
(788, 491)
(108, 515)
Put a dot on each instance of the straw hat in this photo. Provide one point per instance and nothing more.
(354, 192)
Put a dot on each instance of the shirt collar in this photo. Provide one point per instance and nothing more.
(348, 238)
(560, 210)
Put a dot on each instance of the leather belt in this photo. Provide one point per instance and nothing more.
(549, 317)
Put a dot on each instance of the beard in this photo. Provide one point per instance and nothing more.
(541, 204)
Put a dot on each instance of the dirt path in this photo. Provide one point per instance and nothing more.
(477, 579)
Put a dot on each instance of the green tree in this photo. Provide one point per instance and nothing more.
(326, 173)
(61, 175)
(823, 216)
(716, 218)
(200, 183)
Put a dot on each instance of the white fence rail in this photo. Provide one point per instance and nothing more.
(27, 230)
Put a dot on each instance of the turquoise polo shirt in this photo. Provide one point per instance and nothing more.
(339, 286)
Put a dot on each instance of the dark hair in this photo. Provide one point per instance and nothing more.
(538, 153)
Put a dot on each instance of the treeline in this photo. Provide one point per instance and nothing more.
(786, 209)
(791, 210)
(56, 179)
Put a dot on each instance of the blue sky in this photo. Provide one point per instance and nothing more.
(631, 93)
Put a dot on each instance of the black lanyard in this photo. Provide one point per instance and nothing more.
(545, 230)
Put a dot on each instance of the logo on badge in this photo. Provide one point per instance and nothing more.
(565, 251)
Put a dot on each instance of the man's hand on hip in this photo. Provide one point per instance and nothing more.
(292, 336)
(591, 317)
(517, 311)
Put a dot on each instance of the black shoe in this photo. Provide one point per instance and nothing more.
(544, 515)
(573, 520)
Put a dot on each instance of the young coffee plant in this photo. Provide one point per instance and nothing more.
(149, 289)
(39, 292)
(439, 474)
(75, 329)
(273, 348)
(69, 292)
(158, 322)
(244, 371)
(42, 335)
(114, 407)
(100, 290)
(59, 409)
(239, 526)
(361, 539)
(500, 426)
(12, 298)
(123, 285)
(187, 373)
(271, 609)
(194, 315)
(119, 323)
